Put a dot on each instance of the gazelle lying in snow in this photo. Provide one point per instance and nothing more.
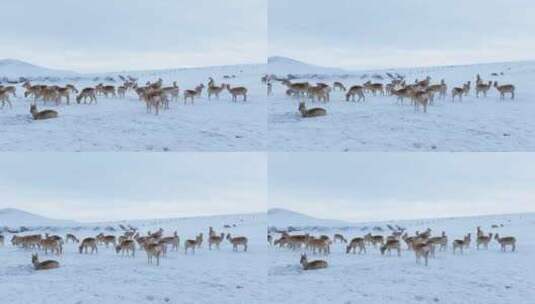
(356, 242)
(317, 264)
(237, 241)
(88, 243)
(314, 112)
(504, 89)
(40, 115)
(45, 265)
(504, 241)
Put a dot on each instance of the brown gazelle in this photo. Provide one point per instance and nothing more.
(88, 243)
(355, 90)
(45, 265)
(87, 93)
(314, 112)
(339, 237)
(504, 89)
(504, 241)
(237, 91)
(460, 91)
(389, 245)
(71, 237)
(482, 87)
(215, 240)
(51, 244)
(191, 94)
(321, 245)
(461, 244)
(317, 264)
(356, 242)
(192, 244)
(126, 246)
(421, 98)
(153, 250)
(422, 250)
(237, 241)
(215, 90)
(174, 241)
(339, 85)
(41, 115)
(483, 240)
(4, 98)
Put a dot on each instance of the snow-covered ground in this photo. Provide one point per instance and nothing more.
(477, 276)
(207, 277)
(381, 124)
(123, 125)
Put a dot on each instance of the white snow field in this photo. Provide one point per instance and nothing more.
(478, 276)
(116, 124)
(207, 276)
(382, 124)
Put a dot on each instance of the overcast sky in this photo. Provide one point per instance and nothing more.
(119, 186)
(384, 186)
(394, 33)
(113, 35)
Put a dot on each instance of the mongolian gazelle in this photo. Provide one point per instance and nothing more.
(317, 264)
(192, 244)
(88, 243)
(153, 250)
(389, 245)
(45, 265)
(237, 241)
(40, 115)
(483, 240)
(422, 250)
(355, 90)
(237, 91)
(504, 241)
(504, 89)
(126, 246)
(356, 242)
(215, 240)
(314, 112)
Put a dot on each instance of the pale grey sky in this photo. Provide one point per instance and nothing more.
(392, 33)
(385, 186)
(118, 186)
(113, 35)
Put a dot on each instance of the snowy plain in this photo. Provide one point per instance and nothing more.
(116, 124)
(207, 276)
(382, 124)
(478, 276)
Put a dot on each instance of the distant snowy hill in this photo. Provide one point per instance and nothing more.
(15, 218)
(279, 65)
(12, 68)
(282, 218)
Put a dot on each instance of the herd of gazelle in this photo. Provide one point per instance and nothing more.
(423, 244)
(155, 95)
(155, 244)
(421, 93)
